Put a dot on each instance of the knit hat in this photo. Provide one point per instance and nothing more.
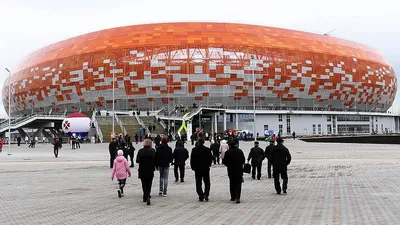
(120, 152)
(164, 140)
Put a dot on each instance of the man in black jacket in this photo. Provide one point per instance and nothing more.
(200, 162)
(215, 149)
(234, 160)
(157, 140)
(257, 156)
(180, 156)
(146, 158)
(280, 159)
(163, 160)
(268, 151)
(112, 148)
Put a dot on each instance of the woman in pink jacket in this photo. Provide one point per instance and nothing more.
(223, 148)
(121, 170)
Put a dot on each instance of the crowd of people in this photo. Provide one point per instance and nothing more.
(162, 156)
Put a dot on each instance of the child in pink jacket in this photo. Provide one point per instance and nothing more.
(121, 170)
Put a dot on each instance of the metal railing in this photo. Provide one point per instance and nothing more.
(142, 124)
(17, 121)
(121, 125)
(96, 125)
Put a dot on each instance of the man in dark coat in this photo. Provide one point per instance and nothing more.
(280, 159)
(180, 156)
(131, 152)
(257, 156)
(112, 148)
(146, 158)
(215, 150)
(200, 162)
(268, 151)
(163, 161)
(19, 140)
(157, 140)
(193, 138)
(234, 160)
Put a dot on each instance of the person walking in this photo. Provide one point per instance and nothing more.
(256, 156)
(163, 160)
(112, 148)
(1, 144)
(180, 155)
(200, 162)
(60, 139)
(294, 135)
(192, 138)
(56, 145)
(146, 158)
(234, 160)
(19, 140)
(131, 152)
(223, 148)
(268, 151)
(140, 138)
(121, 170)
(157, 141)
(215, 150)
(280, 159)
(136, 138)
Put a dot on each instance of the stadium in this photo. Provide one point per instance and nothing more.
(213, 74)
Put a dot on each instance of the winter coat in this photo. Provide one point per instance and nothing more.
(120, 168)
(268, 151)
(112, 148)
(146, 158)
(280, 157)
(163, 156)
(201, 158)
(180, 155)
(256, 155)
(215, 149)
(223, 148)
(234, 160)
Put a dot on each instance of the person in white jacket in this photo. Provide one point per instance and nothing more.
(223, 148)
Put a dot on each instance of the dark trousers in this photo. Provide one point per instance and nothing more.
(216, 158)
(269, 169)
(131, 156)
(181, 171)
(284, 176)
(235, 186)
(253, 171)
(146, 187)
(56, 152)
(200, 177)
(112, 158)
(121, 184)
(19, 143)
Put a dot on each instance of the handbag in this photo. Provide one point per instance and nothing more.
(247, 168)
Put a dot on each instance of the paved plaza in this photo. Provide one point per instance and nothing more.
(328, 184)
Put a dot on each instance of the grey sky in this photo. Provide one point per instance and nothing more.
(28, 25)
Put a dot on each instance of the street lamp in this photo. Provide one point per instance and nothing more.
(113, 64)
(9, 108)
(254, 98)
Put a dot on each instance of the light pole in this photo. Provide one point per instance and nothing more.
(113, 64)
(254, 99)
(9, 108)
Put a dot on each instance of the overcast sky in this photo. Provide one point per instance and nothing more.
(27, 25)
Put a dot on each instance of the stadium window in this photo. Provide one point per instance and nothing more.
(313, 129)
(319, 128)
(280, 118)
(328, 118)
(280, 128)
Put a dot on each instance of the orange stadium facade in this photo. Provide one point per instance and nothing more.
(210, 64)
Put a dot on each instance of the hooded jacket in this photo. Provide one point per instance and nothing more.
(121, 167)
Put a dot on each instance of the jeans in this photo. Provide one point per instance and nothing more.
(284, 176)
(164, 171)
(200, 177)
